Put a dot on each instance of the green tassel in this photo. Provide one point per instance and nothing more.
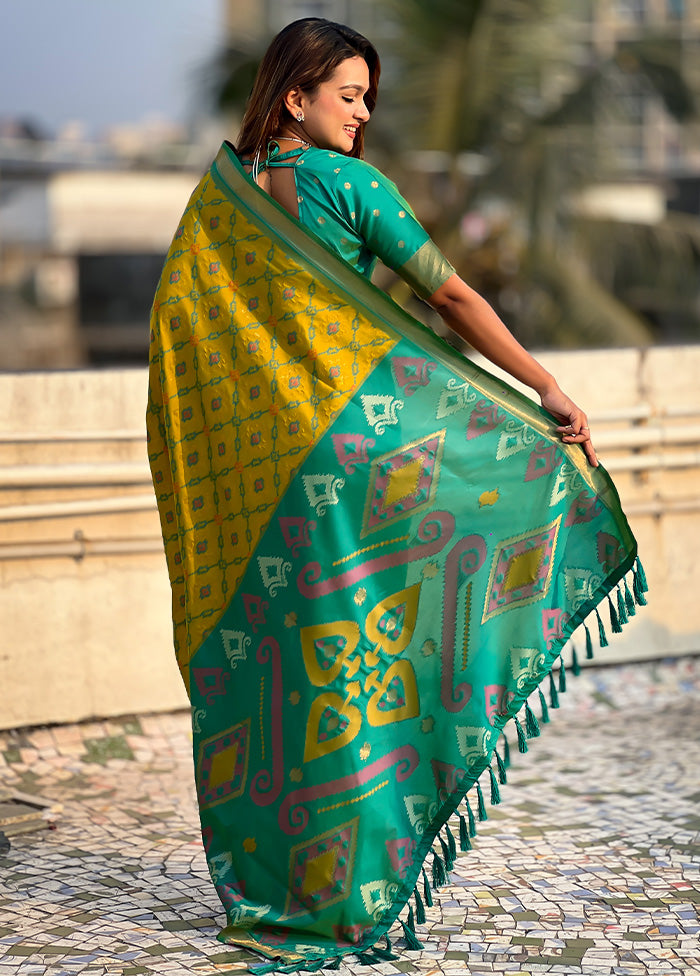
(522, 741)
(615, 625)
(427, 893)
(621, 608)
(411, 941)
(439, 877)
(562, 675)
(553, 694)
(464, 843)
(495, 792)
(589, 644)
(365, 959)
(481, 806)
(472, 822)
(531, 725)
(420, 909)
(410, 921)
(445, 854)
(602, 636)
(642, 576)
(506, 752)
(575, 666)
(629, 600)
(333, 964)
(385, 954)
(637, 590)
(451, 843)
(502, 778)
(544, 711)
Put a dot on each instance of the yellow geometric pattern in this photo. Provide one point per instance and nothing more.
(252, 357)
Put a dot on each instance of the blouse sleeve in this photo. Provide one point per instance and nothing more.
(374, 207)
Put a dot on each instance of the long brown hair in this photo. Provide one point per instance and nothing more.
(303, 55)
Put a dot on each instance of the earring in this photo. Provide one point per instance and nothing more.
(300, 116)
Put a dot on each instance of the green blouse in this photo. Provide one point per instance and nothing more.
(361, 215)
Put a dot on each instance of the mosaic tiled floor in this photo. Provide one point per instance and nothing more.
(591, 864)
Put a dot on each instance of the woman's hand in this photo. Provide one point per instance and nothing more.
(472, 318)
(574, 427)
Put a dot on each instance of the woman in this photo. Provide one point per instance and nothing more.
(377, 550)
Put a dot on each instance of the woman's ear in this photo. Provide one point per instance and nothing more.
(292, 102)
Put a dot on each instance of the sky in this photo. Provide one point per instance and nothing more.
(105, 62)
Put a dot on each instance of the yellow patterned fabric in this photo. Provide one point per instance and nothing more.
(243, 408)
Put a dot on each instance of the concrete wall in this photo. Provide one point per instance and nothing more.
(84, 595)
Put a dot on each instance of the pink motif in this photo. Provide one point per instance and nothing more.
(584, 508)
(255, 608)
(434, 532)
(496, 698)
(465, 558)
(609, 551)
(543, 460)
(447, 777)
(411, 373)
(293, 815)
(231, 894)
(351, 450)
(210, 682)
(553, 623)
(265, 788)
(296, 532)
(401, 854)
(484, 417)
(350, 934)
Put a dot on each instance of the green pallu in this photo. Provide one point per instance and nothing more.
(377, 552)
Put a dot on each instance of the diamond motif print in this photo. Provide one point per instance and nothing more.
(521, 570)
(320, 870)
(403, 482)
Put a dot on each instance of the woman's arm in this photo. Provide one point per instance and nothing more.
(472, 318)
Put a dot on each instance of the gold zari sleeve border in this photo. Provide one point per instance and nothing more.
(426, 270)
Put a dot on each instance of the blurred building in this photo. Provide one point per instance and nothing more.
(636, 131)
(84, 228)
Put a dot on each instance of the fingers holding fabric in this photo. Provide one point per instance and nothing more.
(578, 432)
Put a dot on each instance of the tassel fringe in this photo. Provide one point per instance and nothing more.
(481, 806)
(629, 600)
(495, 792)
(472, 822)
(522, 741)
(446, 858)
(642, 576)
(589, 644)
(411, 940)
(621, 608)
(506, 752)
(420, 908)
(562, 675)
(451, 845)
(465, 843)
(502, 777)
(602, 636)
(553, 693)
(439, 876)
(575, 666)
(532, 727)
(615, 625)
(427, 893)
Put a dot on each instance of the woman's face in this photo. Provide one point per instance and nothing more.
(333, 113)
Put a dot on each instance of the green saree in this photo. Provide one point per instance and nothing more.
(377, 552)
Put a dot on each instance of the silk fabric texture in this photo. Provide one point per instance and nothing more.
(377, 551)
